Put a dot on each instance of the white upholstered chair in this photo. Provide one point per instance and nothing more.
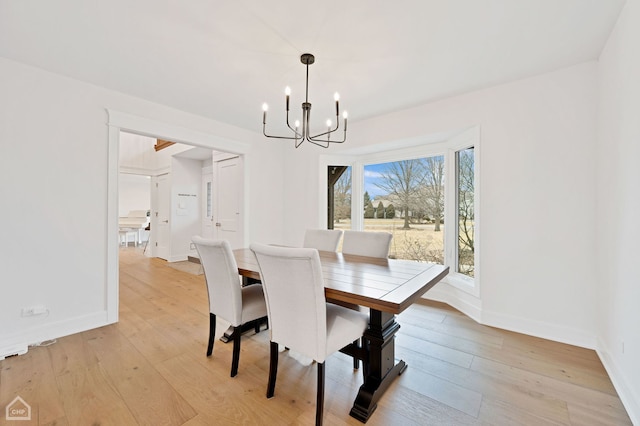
(370, 244)
(322, 239)
(299, 316)
(227, 298)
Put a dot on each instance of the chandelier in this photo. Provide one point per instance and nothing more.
(302, 134)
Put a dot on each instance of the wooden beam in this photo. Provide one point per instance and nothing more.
(161, 144)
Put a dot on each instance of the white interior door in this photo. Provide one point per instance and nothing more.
(208, 230)
(228, 196)
(163, 216)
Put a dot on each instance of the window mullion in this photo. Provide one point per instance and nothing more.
(357, 196)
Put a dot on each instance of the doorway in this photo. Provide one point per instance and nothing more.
(118, 122)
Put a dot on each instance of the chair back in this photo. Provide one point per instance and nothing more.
(294, 291)
(370, 244)
(322, 239)
(223, 282)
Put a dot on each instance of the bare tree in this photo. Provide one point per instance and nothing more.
(401, 181)
(466, 217)
(342, 196)
(433, 189)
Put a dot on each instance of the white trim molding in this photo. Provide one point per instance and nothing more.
(120, 121)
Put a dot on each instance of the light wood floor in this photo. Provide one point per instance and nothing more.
(151, 369)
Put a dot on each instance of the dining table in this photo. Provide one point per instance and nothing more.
(386, 287)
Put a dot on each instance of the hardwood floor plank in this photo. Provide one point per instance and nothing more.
(147, 394)
(454, 395)
(130, 322)
(435, 350)
(90, 398)
(417, 318)
(422, 410)
(575, 396)
(31, 376)
(213, 392)
(71, 353)
(495, 412)
(497, 388)
(588, 415)
(550, 367)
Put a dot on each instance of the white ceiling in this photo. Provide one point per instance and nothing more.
(223, 59)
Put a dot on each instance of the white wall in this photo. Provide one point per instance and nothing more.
(537, 185)
(54, 173)
(186, 220)
(618, 210)
(137, 155)
(134, 193)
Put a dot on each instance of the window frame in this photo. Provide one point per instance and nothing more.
(446, 147)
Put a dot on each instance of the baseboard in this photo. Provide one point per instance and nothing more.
(472, 307)
(630, 401)
(178, 258)
(544, 330)
(464, 302)
(17, 343)
(15, 350)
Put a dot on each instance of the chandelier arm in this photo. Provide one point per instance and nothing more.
(328, 132)
(278, 137)
(319, 144)
(298, 135)
(312, 139)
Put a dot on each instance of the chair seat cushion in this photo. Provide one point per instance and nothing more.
(343, 326)
(253, 303)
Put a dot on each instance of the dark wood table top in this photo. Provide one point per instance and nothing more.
(388, 285)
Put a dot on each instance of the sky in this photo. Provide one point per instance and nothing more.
(372, 175)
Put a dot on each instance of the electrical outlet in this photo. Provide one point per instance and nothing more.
(33, 311)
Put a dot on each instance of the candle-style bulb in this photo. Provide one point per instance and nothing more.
(265, 107)
(336, 97)
(345, 115)
(297, 123)
(329, 123)
(287, 92)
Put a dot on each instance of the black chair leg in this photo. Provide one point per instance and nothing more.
(320, 395)
(212, 331)
(237, 333)
(273, 370)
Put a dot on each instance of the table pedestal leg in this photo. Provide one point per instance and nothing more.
(382, 368)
